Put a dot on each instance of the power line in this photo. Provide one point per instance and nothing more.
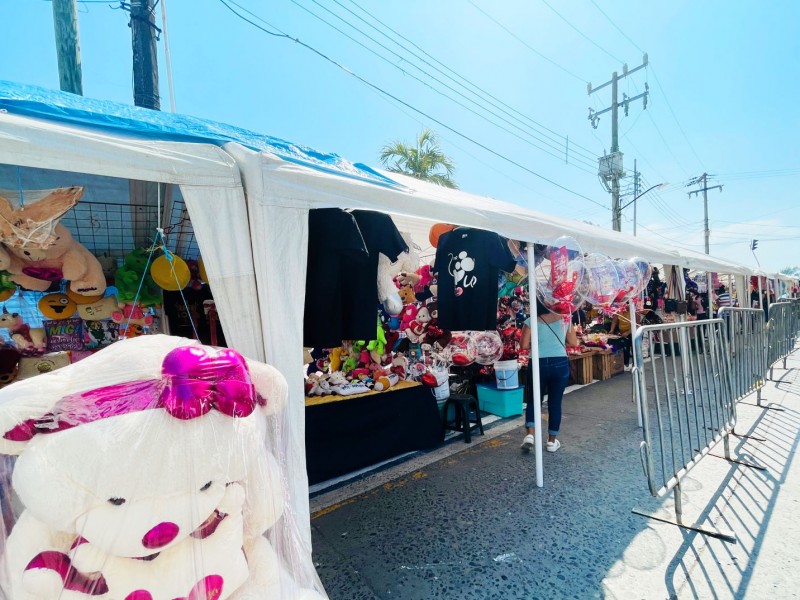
(284, 35)
(655, 76)
(647, 162)
(591, 153)
(667, 146)
(615, 26)
(434, 89)
(677, 122)
(583, 35)
(524, 43)
(756, 224)
(676, 217)
(481, 161)
(670, 240)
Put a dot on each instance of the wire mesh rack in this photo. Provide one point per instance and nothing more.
(108, 229)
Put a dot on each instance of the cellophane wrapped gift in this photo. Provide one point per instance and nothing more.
(151, 470)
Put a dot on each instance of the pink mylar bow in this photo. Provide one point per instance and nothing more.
(193, 382)
(196, 382)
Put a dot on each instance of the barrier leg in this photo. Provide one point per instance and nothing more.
(726, 442)
(664, 517)
(759, 405)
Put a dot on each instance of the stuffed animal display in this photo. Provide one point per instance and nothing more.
(39, 251)
(29, 340)
(131, 319)
(146, 473)
(387, 270)
(133, 279)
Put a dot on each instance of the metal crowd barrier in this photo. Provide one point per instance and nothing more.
(747, 344)
(687, 402)
(782, 322)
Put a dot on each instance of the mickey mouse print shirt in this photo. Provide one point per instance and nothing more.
(467, 263)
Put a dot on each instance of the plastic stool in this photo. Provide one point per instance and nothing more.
(462, 405)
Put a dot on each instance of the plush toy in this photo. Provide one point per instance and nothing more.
(158, 484)
(133, 278)
(7, 287)
(109, 266)
(400, 366)
(57, 306)
(131, 319)
(377, 347)
(9, 364)
(337, 356)
(342, 386)
(317, 385)
(195, 281)
(409, 314)
(29, 341)
(387, 270)
(407, 295)
(418, 279)
(436, 338)
(39, 251)
(99, 310)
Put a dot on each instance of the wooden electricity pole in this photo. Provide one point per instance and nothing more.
(145, 55)
(65, 22)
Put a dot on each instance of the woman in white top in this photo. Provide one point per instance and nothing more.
(555, 335)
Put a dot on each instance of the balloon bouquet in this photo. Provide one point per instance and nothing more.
(610, 285)
(560, 274)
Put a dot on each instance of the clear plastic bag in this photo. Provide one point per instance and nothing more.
(148, 471)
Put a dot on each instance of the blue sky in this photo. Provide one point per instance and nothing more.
(723, 82)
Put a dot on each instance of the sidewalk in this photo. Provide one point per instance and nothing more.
(468, 522)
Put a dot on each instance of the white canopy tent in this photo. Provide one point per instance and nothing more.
(254, 244)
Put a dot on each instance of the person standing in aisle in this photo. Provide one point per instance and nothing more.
(554, 336)
(724, 297)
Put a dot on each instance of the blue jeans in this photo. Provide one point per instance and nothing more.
(553, 378)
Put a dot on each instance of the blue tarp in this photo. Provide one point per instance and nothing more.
(32, 101)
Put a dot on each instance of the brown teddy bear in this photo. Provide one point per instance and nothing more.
(37, 251)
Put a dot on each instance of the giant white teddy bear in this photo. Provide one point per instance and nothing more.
(387, 290)
(144, 475)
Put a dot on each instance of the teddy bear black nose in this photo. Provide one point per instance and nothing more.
(117, 501)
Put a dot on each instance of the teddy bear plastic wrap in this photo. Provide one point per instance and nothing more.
(148, 471)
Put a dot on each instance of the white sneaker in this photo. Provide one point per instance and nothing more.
(553, 446)
(528, 442)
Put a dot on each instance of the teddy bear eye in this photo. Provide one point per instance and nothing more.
(117, 501)
(205, 487)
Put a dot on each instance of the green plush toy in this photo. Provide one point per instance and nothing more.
(377, 347)
(7, 287)
(133, 273)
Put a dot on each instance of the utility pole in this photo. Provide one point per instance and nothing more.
(610, 166)
(68, 49)
(635, 193)
(144, 34)
(704, 179)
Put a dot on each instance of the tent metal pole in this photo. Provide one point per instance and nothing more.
(535, 387)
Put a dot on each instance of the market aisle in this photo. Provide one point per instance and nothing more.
(474, 526)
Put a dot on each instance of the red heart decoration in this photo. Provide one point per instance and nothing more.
(429, 379)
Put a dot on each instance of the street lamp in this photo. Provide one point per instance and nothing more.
(650, 189)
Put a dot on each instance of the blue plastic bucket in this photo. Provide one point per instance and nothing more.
(507, 374)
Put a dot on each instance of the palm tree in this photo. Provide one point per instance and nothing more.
(424, 161)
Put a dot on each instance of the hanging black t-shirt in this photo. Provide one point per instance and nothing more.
(182, 314)
(467, 263)
(361, 285)
(337, 256)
